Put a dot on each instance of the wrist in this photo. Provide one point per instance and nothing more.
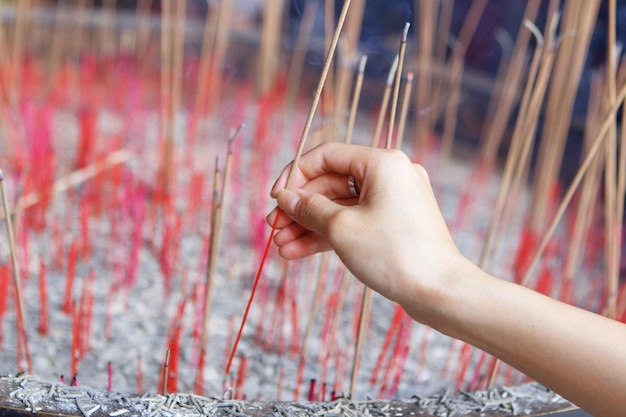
(437, 297)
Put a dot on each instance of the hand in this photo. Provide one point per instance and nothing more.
(392, 237)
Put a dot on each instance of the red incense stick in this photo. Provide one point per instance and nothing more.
(307, 127)
(43, 300)
(69, 279)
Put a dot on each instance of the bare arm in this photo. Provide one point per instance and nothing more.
(394, 239)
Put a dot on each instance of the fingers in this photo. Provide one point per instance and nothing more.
(306, 245)
(329, 158)
(312, 211)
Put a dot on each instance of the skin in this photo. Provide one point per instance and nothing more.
(394, 239)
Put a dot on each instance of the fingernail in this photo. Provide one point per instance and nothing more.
(287, 201)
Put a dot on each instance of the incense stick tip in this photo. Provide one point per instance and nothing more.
(362, 64)
(409, 77)
(405, 32)
(1, 175)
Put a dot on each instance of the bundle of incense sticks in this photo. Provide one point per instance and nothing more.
(134, 201)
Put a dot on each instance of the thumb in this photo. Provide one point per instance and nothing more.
(310, 210)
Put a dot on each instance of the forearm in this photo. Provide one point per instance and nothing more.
(578, 354)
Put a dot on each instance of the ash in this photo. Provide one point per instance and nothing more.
(28, 395)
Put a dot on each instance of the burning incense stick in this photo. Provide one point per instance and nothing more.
(396, 86)
(301, 144)
(21, 323)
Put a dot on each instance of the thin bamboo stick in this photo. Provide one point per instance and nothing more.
(270, 44)
(589, 188)
(206, 57)
(21, 323)
(396, 86)
(426, 27)
(355, 99)
(404, 111)
(224, 24)
(166, 93)
(612, 245)
(384, 104)
(296, 66)
(76, 178)
(452, 107)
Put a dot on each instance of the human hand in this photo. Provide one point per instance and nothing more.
(392, 237)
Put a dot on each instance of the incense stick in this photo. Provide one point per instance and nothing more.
(384, 103)
(355, 99)
(294, 166)
(21, 323)
(404, 111)
(396, 86)
(300, 50)
(612, 245)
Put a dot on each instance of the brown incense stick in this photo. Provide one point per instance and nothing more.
(206, 57)
(396, 86)
(142, 19)
(220, 188)
(355, 99)
(404, 111)
(19, 42)
(224, 24)
(166, 76)
(425, 33)
(269, 53)
(384, 103)
(178, 47)
(76, 178)
(452, 107)
(212, 256)
(296, 66)
(329, 91)
(107, 35)
(621, 188)
(589, 188)
(612, 245)
(21, 323)
(366, 304)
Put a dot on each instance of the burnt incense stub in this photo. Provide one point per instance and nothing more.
(24, 395)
